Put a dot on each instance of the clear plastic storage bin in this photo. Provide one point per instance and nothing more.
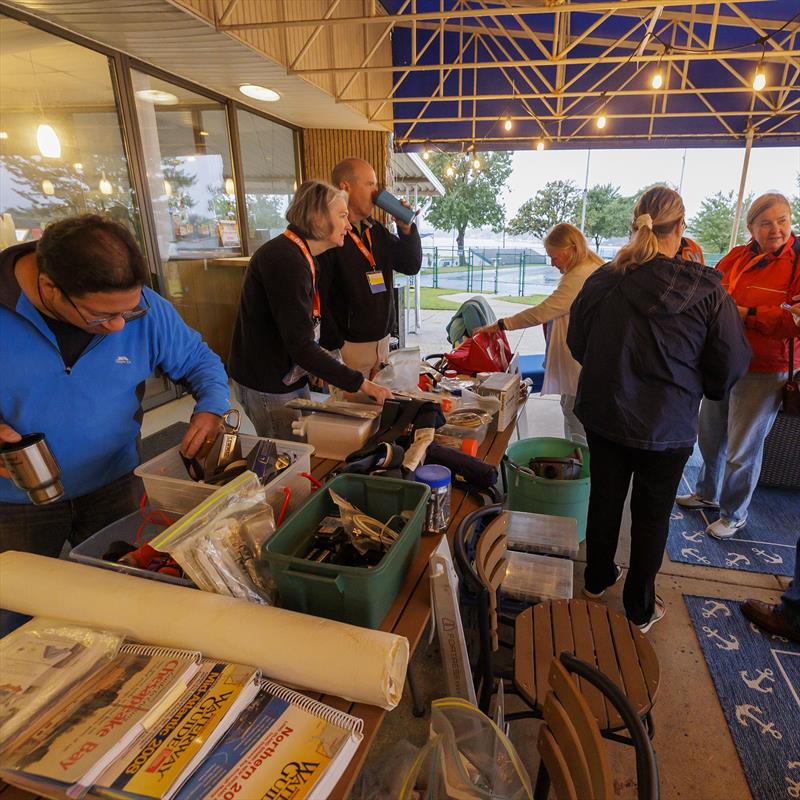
(170, 488)
(533, 578)
(539, 533)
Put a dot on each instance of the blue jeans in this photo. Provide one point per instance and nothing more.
(268, 412)
(791, 597)
(731, 438)
(44, 529)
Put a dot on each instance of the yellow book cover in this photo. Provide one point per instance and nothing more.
(214, 701)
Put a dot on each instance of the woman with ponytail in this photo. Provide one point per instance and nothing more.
(654, 334)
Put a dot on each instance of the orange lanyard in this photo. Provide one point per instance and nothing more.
(367, 253)
(305, 251)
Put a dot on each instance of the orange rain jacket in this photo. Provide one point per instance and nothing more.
(691, 251)
(761, 282)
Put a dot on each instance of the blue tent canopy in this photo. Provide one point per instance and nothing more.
(549, 70)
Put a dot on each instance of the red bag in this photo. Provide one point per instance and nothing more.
(485, 352)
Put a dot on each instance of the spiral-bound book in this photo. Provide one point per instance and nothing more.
(79, 735)
(283, 745)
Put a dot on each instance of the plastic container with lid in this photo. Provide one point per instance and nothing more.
(439, 479)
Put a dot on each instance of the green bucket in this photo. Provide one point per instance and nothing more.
(528, 492)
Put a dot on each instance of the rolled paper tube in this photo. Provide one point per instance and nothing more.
(311, 653)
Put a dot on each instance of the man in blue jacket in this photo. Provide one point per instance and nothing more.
(80, 333)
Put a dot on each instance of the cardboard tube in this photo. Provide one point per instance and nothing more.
(307, 652)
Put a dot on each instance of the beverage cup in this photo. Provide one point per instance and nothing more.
(33, 468)
(391, 205)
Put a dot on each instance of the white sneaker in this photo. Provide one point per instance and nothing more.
(694, 501)
(724, 528)
(658, 613)
(598, 595)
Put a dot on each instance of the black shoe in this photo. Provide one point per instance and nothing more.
(598, 595)
(772, 619)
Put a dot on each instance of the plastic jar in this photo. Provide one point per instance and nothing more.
(437, 515)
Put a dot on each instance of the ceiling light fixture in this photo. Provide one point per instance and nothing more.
(658, 80)
(760, 79)
(601, 121)
(48, 142)
(259, 92)
(157, 96)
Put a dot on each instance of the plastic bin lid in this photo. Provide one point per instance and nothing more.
(434, 476)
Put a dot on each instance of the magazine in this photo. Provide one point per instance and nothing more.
(283, 745)
(88, 727)
(166, 755)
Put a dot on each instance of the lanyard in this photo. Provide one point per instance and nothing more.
(305, 251)
(367, 253)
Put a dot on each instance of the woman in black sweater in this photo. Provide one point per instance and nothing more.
(276, 337)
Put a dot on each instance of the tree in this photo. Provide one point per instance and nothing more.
(608, 213)
(711, 228)
(556, 202)
(472, 196)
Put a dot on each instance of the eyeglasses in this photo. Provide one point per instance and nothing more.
(127, 316)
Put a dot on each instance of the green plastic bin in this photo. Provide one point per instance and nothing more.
(528, 492)
(358, 595)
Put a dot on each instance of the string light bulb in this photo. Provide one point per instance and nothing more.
(540, 145)
(508, 124)
(48, 142)
(426, 152)
(449, 171)
(105, 185)
(601, 121)
(167, 188)
(230, 186)
(47, 187)
(476, 163)
(658, 80)
(760, 79)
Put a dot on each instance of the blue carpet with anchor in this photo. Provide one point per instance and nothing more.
(757, 678)
(766, 544)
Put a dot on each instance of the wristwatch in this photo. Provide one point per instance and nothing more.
(501, 324)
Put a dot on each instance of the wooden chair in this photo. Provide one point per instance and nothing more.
(591, 631)
(573, 759)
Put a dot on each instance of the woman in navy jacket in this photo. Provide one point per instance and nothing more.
(654, 334)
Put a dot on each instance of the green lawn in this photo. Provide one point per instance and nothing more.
(526, 300)
(433, 299)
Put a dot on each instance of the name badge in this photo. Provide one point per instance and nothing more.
(375, 281)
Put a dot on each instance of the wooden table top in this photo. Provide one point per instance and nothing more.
(408, 615)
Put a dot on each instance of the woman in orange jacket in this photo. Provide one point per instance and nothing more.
(761, 276)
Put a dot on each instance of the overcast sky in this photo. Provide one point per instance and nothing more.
(707, 171)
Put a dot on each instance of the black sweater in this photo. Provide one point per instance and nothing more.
(275, 328)
(350, 312)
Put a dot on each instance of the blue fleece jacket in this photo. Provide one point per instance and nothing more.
(91, 413)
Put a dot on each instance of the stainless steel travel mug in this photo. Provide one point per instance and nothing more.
(391, 205)
(33, 468)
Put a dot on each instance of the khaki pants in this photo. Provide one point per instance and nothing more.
(366, 357)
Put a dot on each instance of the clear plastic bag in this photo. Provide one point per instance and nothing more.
(41, 660)
(468, 757)
(402, 372)
(365, 532)
(219, 543)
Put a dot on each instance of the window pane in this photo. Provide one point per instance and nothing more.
(188, 162)
(269, 175)
(61, 150)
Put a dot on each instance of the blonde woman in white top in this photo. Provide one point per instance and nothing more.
(570, 255)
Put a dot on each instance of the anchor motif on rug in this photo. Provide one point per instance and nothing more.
(720, 641)
(793, 788)
(696, 536)
(769, 558)
(692, 551)
(755, 683)
(712, 606)
(676, 515)
(734, 558)
(745, 712)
